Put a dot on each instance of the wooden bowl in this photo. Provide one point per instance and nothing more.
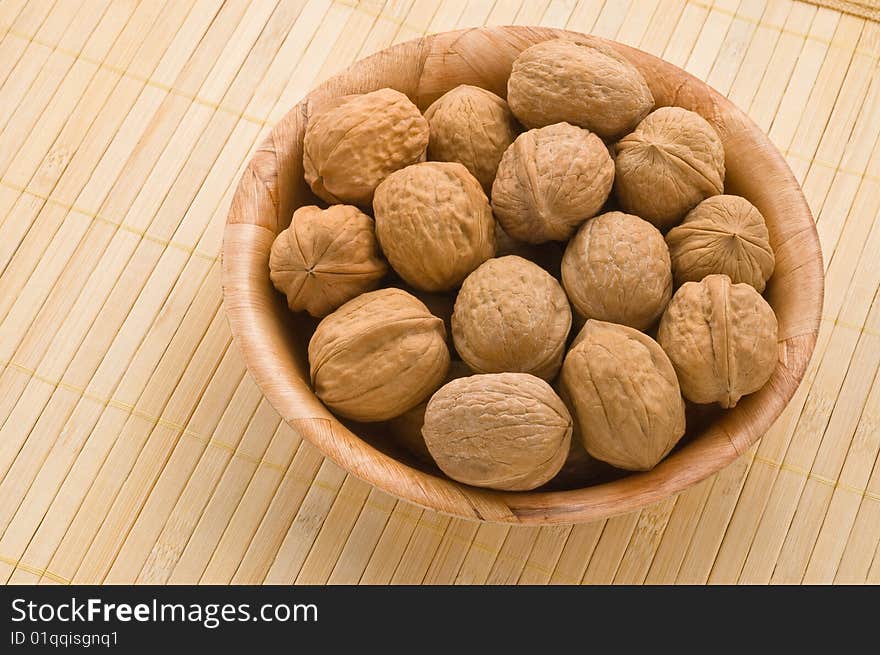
(273, 340)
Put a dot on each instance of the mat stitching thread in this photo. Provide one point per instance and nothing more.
(264, 122)
(228, 447)
(158, 420)
(139, 78)
(167, 243)
(829, 482)
(27, 568)
(851, 326)
(831, 165)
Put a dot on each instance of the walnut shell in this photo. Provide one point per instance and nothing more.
(580, 467)
(721, 338)
(507, 431)
(439, 304)
(511, 315)
(378, 356)
(671, 162)
(325, 258)
(434, 224)
(624, 395)
(550, 181)
(473, 127)
(586, 83)
(617, 269)
(723, 234)
(406, 429)
(354, 142)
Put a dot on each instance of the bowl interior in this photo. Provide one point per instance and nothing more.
(274, 341)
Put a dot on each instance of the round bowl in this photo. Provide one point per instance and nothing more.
(273, 340)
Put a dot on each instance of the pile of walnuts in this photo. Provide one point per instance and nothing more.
(574, 241)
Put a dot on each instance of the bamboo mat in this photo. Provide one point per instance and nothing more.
(864, 8)
(135, 448)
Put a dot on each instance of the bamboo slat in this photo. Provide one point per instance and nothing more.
(134, 447)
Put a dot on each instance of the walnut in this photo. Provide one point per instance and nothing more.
(624, 395)
(721, 338)
(511, 315)
(550, 181)
(584, 82)
(434, 224)
(472, 126)
(723, 234)
(378, 356)
(507, 431)
(672, 161)
(354, 142)
(325, 258)
(617, 269)
(580, 467)
(406, 429)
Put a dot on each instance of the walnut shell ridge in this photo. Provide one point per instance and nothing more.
(721, 338)
(439, 304)
(378, 356)
(624, 395)
(354, 142)
(617, 269)
(434, 224)
(583, 82)
(471, 126)
(511, 315)
(551, 180)
(325, 258)
(672, 161)
(722, 235)
(507, 431)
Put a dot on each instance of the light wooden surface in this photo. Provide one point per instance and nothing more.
(134, 448)
(273, 342)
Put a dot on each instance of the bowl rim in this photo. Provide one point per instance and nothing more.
(248, 302)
